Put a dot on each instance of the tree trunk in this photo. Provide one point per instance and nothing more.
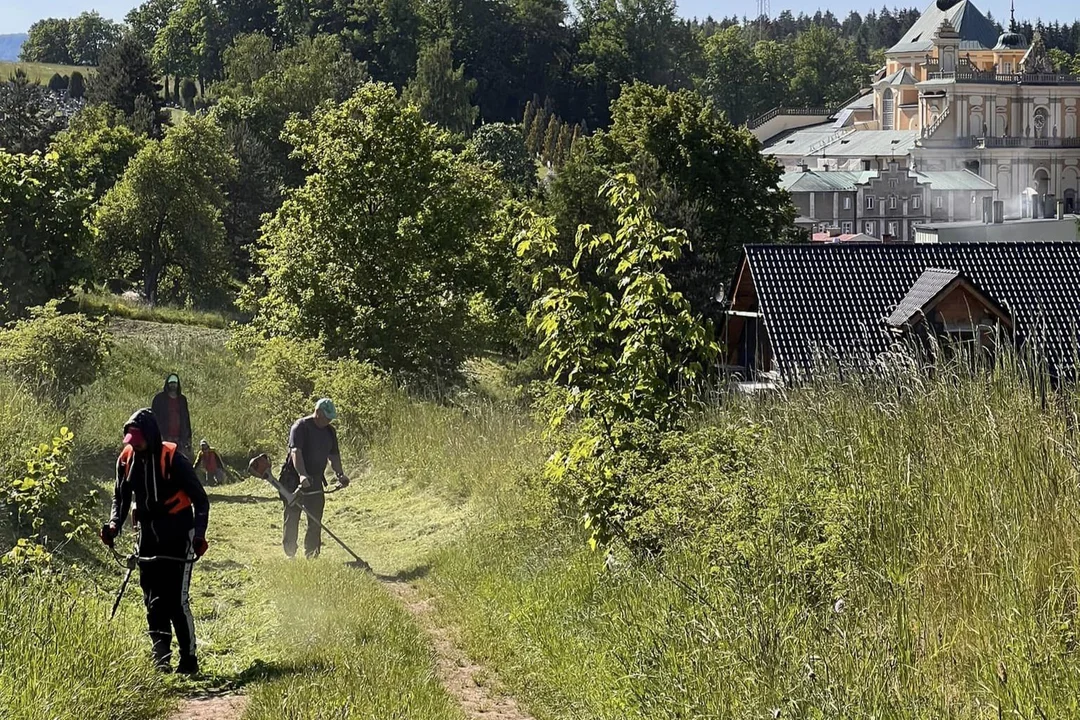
(165, 87)
(176, 87)
(151, 276)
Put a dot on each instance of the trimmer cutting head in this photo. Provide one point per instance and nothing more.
(259, 466)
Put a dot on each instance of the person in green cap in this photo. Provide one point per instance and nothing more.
(313, 443)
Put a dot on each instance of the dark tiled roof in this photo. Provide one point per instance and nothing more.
(925, 289)
(834, 299)
(976, 32)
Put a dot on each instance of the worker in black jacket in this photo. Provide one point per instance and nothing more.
(173, 512)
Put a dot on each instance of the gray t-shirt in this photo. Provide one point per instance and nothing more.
(315, 444)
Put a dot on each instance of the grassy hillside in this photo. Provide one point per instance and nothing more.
(41, 72)
(895, 550)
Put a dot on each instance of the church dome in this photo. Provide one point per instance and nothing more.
(1011, 41)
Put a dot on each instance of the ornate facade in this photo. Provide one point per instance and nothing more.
(955, 94)
(988, 103)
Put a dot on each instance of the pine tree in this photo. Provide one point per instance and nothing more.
(527, 120)
(123, 76)
(441, 93)
(562, 151)
(30, 115)
(551, 139)
(535, 138)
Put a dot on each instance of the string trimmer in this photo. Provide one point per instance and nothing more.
(131, 562)
(260, 467)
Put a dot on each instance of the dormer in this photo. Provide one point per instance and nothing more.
(945, 305)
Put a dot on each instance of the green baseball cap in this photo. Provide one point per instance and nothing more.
(326, 405)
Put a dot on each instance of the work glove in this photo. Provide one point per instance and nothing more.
(305, 482)
(108, 533)
(343, 480)
(200, 546)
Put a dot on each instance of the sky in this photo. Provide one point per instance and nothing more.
(17, 15)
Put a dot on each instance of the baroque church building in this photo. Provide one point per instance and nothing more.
(954, 95)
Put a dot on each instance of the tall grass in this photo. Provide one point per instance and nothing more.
(461, 449)
(911, 549)
(62, 660)
(23, 421)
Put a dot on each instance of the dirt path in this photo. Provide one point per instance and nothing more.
(221, 707)
(466, 681)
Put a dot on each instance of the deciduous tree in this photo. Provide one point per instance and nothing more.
(163, 218)
(91, 37)
(441, 92)
(826, 68)
(709, 178)
(41, 230)
(503, 145)
(375, 254)
(732, 74)
(95, 149)
(48, 41)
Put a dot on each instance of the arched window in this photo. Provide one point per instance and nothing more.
(888, 110)
(1070, 125)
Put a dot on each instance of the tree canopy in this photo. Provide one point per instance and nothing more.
(41, 231)
(708, 176)
(161, 223)
(82, 40)
(441, 92)
(374, 254)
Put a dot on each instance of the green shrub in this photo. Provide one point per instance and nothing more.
(362, 397)
(58, 82)
(629, 352)
(56, 355)
(76, 86)
(33, 493)
(285, 377)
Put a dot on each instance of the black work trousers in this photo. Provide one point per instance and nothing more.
(165, 586)
(314, 503)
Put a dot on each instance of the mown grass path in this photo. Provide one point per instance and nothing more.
(306, 640)
(470, 684)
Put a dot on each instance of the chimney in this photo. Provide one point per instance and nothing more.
(999, 212)
(988, 210)
(835, 231)
(803, 167)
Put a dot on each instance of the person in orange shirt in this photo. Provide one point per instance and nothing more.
(210, 462)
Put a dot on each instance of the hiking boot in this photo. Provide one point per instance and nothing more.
(163, 664)
(188, 666)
